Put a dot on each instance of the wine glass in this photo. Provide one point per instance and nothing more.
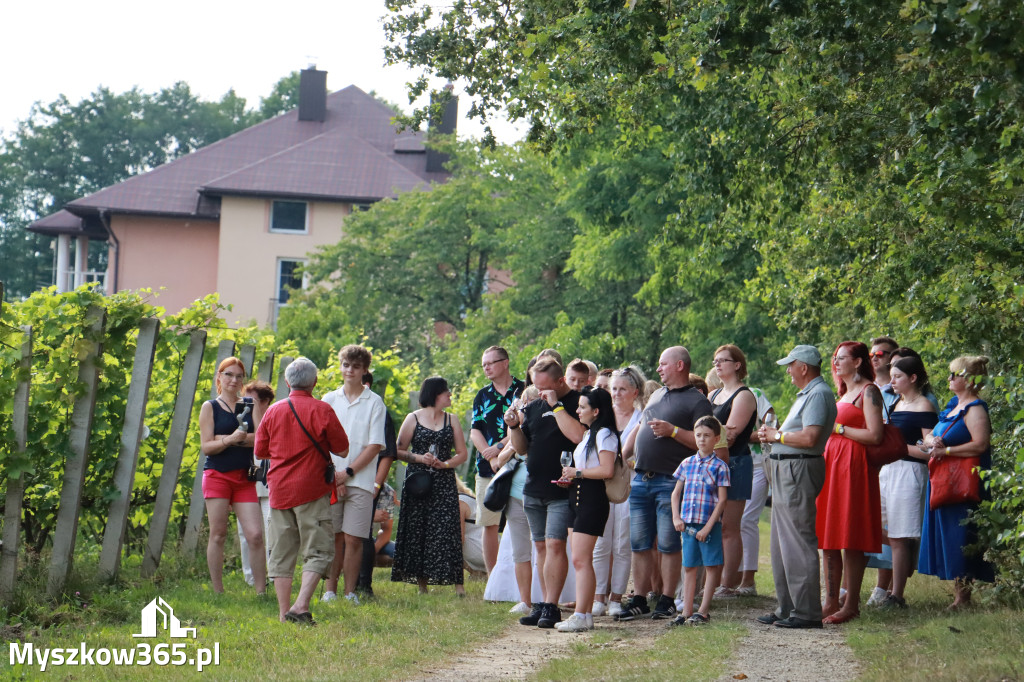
(566, 459)
(770, 422)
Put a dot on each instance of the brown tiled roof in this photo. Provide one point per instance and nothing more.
(351, 155)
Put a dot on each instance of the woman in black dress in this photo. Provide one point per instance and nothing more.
(428, 546)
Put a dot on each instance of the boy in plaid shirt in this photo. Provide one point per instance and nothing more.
(698, 502)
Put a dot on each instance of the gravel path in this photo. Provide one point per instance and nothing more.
(766, 653)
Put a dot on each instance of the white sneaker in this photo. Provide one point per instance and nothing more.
(352, 598)
(723, 592)
(600, 608)
(328, 596)
(746, 591)
(520, 609)
(878, 596)
(615, 608)
(574, 623)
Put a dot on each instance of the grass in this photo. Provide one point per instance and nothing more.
(391, 637)
(400, 634)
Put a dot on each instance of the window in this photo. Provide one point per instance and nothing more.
(288, 216)
(289, 278)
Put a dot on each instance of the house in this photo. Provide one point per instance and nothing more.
(239, 216)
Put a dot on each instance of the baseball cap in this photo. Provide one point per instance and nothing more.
(806, 354)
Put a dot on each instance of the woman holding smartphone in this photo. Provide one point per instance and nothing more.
(226, 433)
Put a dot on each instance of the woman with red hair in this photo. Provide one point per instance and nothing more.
(226, 434)
(849, 522)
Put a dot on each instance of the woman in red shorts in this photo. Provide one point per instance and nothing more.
(228, 449)
(849, 522)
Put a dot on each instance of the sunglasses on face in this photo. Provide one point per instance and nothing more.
(880, 353)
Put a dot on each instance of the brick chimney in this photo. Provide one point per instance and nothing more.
(312, 95)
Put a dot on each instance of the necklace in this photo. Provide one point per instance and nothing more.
(226, 406)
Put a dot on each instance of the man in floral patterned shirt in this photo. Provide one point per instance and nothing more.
(489, 437)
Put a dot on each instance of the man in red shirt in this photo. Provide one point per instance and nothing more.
(300, 514)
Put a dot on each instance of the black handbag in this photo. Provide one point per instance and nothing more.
(419, 482)
(500, 488)
(258, 472)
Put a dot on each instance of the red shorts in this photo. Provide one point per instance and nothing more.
(233, 486)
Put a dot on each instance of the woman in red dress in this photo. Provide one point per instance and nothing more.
(849, 519)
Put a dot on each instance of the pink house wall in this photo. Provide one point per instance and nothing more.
(177, 254)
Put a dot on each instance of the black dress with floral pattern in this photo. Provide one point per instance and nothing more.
(429, 540)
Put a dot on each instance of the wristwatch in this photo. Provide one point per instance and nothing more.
(579, 474)
(778, 435)
(840, 429)
(350, 471)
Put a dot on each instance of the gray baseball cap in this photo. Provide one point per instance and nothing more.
(806, 354)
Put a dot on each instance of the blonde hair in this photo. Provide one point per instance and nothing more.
(712, 380)
(974, 368)
(463, 488)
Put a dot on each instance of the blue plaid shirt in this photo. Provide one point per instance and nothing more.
(702, 477)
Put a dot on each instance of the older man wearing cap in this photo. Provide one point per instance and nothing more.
(797, 472)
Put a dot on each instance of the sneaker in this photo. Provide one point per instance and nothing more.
(534, 615)
(614, 608)
(576, 623)
(666, 608)
(352, 599)
(590, 621)
(893, 602)
(723, 592)
(600, 608)
(698, 619)
(678, 620)
(636, 606)
(878, 596)
(743, 591)
(520, 609)
(549, 616)
(328, 596)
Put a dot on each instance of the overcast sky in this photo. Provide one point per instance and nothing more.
(71, 48)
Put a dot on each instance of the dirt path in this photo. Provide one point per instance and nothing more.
(766, 653)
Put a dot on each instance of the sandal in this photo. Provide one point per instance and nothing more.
(305, 618)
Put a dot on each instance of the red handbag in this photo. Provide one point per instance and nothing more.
(891, 449)
(954, 480)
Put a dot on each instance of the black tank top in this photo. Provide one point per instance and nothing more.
(741, 446)
(233, 457)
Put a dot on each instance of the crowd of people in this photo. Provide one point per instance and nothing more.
(702, 455)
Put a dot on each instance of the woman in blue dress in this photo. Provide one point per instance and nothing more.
(963, 431)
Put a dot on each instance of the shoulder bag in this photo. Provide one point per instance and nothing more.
(618, 486)
(954, 480)
(329, 471)
(891, 449)
(500, 488)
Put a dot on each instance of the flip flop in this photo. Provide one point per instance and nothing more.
(305, 618)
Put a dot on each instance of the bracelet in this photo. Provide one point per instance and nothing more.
(947, 450)
(376, 485)
(446, 465)
(675, 430)
(782, 439)
(558, 408)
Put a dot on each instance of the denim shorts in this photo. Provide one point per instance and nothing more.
(650, 514)
(707, 553)
(549, 519)
(741, 477)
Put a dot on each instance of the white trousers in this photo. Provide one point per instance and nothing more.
(751, 515)
(612, 551)
(244, 546)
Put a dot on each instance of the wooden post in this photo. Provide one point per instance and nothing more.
(128, 457)
(16, 484)
(197, 508)
(175, 448)
(247, 354)
(77, 463)
(266, 368)
(282, 385)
